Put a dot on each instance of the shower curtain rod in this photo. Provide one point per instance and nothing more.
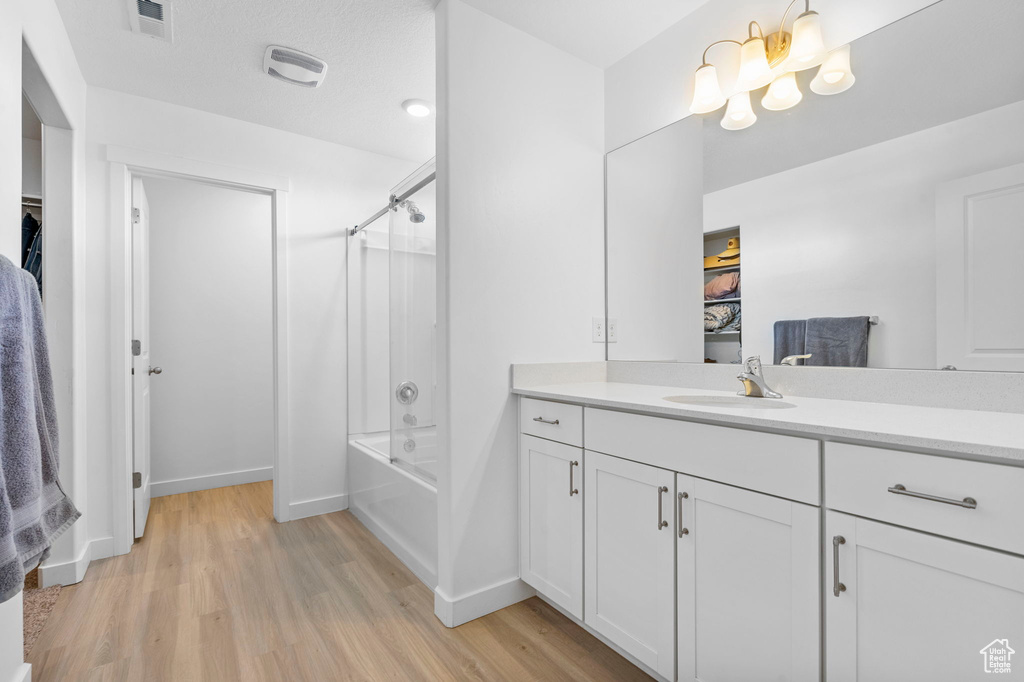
(393, 202)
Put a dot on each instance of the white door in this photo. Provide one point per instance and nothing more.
(630, 558)
(551, 521)
(980, 231)
(748, 585)
(140, 354)
(913, 606)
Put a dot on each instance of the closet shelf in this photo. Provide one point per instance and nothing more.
(728, 333)
(722, 300)
(727, 268)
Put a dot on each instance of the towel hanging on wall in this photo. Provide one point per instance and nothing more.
(34, 510)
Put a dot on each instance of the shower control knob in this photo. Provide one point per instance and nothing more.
(407, 392)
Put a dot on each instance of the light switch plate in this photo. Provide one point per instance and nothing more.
(597, 329)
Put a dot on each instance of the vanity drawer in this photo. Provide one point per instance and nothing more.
(858, 480)
(554, 421)
(784, 466)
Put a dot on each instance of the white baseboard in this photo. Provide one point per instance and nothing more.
(321, 505)
(191, 485)
(23, 673)
(411, 561)
(71, 572)
(455, 612)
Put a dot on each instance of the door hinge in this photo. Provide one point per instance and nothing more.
(136, 216)
(136, 347)
(137, 480)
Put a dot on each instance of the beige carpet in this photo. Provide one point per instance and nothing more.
(38, 605)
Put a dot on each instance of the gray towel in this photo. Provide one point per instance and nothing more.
(837, 341)
(33, 507)
(789, 338)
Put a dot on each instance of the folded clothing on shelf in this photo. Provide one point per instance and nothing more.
(722, 318)
(726, 285)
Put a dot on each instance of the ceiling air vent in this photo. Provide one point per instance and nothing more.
(292, 66)
(150, 18)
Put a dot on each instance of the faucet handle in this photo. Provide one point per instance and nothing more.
(752, 365)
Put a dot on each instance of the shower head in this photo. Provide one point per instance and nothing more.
(415, 215)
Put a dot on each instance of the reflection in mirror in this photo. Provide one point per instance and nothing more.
(900, 199)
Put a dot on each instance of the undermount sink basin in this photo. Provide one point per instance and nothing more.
(727, 401)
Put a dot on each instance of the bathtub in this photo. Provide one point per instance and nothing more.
(397, 502)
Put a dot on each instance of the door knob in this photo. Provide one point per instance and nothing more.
(155, 370)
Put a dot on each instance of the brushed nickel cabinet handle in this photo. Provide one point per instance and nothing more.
(837, 586)
(966, 503)
(682, 531)
(542, 420)
(662, 523)
(572, 488)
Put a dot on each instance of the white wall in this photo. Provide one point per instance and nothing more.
(211, 325)
(38, 23)
(654, 243)
(855, 234)
(520, 257)
(332, 188)
(652, 87)
(31, 167)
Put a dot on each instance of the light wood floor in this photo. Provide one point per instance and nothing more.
(216, 590)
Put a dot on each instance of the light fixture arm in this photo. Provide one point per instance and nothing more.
(704, 57)
(782, 24)
(750, 29)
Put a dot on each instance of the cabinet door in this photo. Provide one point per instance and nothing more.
(912, 606)
(630, 562)
(551, 521)
(748, 585)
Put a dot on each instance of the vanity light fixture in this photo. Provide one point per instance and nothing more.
(773, 61)
(835, 75)
(739, 114)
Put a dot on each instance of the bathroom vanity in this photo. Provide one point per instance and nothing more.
(801, 539)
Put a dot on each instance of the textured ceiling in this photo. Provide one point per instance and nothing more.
(598, 31)
(379, 53)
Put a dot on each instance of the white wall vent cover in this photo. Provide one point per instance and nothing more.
(151, 18)
(292, 66)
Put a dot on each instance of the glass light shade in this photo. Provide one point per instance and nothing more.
(783, 93)
(835, 74)
(707, 93)
(739, 114)
(754, 70)
(807, 49)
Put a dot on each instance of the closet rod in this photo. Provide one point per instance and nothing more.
(393, 202)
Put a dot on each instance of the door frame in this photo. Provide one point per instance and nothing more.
(123, 163)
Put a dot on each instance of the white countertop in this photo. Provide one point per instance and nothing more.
(967, 433)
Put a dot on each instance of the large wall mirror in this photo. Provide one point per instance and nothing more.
(880, 227)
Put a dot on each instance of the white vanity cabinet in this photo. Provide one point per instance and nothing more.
(748, 585)
(630, 565)
(905, 605)
(551, 521)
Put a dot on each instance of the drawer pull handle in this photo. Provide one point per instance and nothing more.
(662, 523)
(572, 488)
(966, 503)
(837, 587)
(682, 531)
(542, 420)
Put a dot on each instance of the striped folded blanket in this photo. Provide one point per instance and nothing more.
(722, 317)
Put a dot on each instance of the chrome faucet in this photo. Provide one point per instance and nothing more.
(753, 380)
(791, 359)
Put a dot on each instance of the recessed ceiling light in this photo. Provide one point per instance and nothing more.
(416, 107)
